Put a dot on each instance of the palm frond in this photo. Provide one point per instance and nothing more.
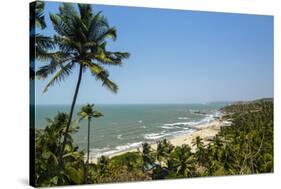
(66, 44)
(94, 68)
(107, 82)
(60, 75)
(90, 44)
(57, 59)
(97, 114)
(82, 115)
(101, 74)
(60, 26)
(42, 45)
(106, 34)
(106, 57)
(44, 42)
(111, 58)
(85, 11)
(97, 23)
(67, 10)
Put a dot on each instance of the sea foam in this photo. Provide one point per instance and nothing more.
(109, 151)
(183, 118)
(154, 136)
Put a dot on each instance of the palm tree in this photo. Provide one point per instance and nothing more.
(163, 151)
(81, 38)
(146, 157)
(183, 161)
(88, 112)
(217, 145)
(200, 150)
(159, 151)
(198, 142)
(103, 166)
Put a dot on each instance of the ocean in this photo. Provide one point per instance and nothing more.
(128, 126)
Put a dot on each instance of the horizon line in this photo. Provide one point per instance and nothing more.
(165, 103)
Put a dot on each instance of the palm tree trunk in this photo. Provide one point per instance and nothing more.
(71, 113)
(88, 155)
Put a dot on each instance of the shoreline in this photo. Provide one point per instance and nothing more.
(206, 131)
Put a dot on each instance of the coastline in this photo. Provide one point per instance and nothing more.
(206, 131)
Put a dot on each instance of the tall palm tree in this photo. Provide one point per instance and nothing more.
(88, 112)
(81, 38)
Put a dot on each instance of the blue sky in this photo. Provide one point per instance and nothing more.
(176, 57)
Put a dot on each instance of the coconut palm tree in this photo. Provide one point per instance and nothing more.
(81, 38)
(200, 150)
(198, 142)
(88, 112)
(146, 157)
(183, 161)
(163, 151)
(216, 147)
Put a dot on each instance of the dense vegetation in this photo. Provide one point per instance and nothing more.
(245, 147)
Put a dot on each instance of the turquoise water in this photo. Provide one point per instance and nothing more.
(127, 126)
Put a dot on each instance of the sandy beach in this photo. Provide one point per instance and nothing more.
(205, 131)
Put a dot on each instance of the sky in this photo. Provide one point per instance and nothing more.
(177, 56)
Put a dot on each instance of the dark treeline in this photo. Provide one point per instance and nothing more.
(245, 147)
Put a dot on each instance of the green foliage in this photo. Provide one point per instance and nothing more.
(163, 151)
(48, 142)
(88, 112)
(122, 168)
(182, 163)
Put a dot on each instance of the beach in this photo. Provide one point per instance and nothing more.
(125, 127)
(206, 131)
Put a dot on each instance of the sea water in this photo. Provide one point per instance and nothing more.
(127, 126)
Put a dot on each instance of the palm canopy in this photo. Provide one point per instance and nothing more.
(81, 38)
(87, 112)
(198, 142)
